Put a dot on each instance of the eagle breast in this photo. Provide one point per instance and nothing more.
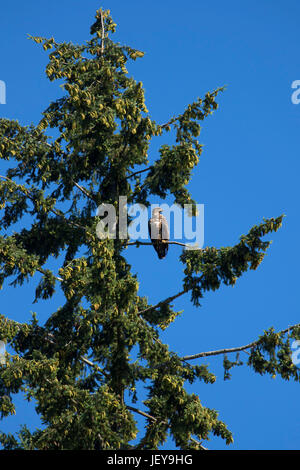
(159, 232)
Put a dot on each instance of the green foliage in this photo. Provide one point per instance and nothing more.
(83, 366)
(172, 172)
(207, 269)
(227, 364)
(272, 354)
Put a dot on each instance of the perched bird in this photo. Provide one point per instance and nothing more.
(159, 231)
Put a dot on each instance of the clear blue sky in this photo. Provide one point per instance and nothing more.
(249, 169)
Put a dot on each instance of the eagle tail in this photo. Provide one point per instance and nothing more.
(161, 249)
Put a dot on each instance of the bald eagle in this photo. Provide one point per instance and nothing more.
(158, 231)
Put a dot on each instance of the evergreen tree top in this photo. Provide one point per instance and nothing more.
(83, 365)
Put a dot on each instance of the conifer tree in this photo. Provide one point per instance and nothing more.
(77, 366)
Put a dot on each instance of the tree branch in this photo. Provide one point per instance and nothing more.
(162, 302)
(199, 444)
(231, 350)
(102, 32)
(138, 172)
(95, 366)
(84, 191)
(142, 413)
(137, 243)
(152, 418)
(50, 338)
(54, 211)
(174, 119)
(41, 270)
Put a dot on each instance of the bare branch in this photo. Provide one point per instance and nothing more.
(95, 366)
(84, 191)
(199, 444)
(87, 361)
(140, 412)
(137, 243)
(219, 351)
(138, 172)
